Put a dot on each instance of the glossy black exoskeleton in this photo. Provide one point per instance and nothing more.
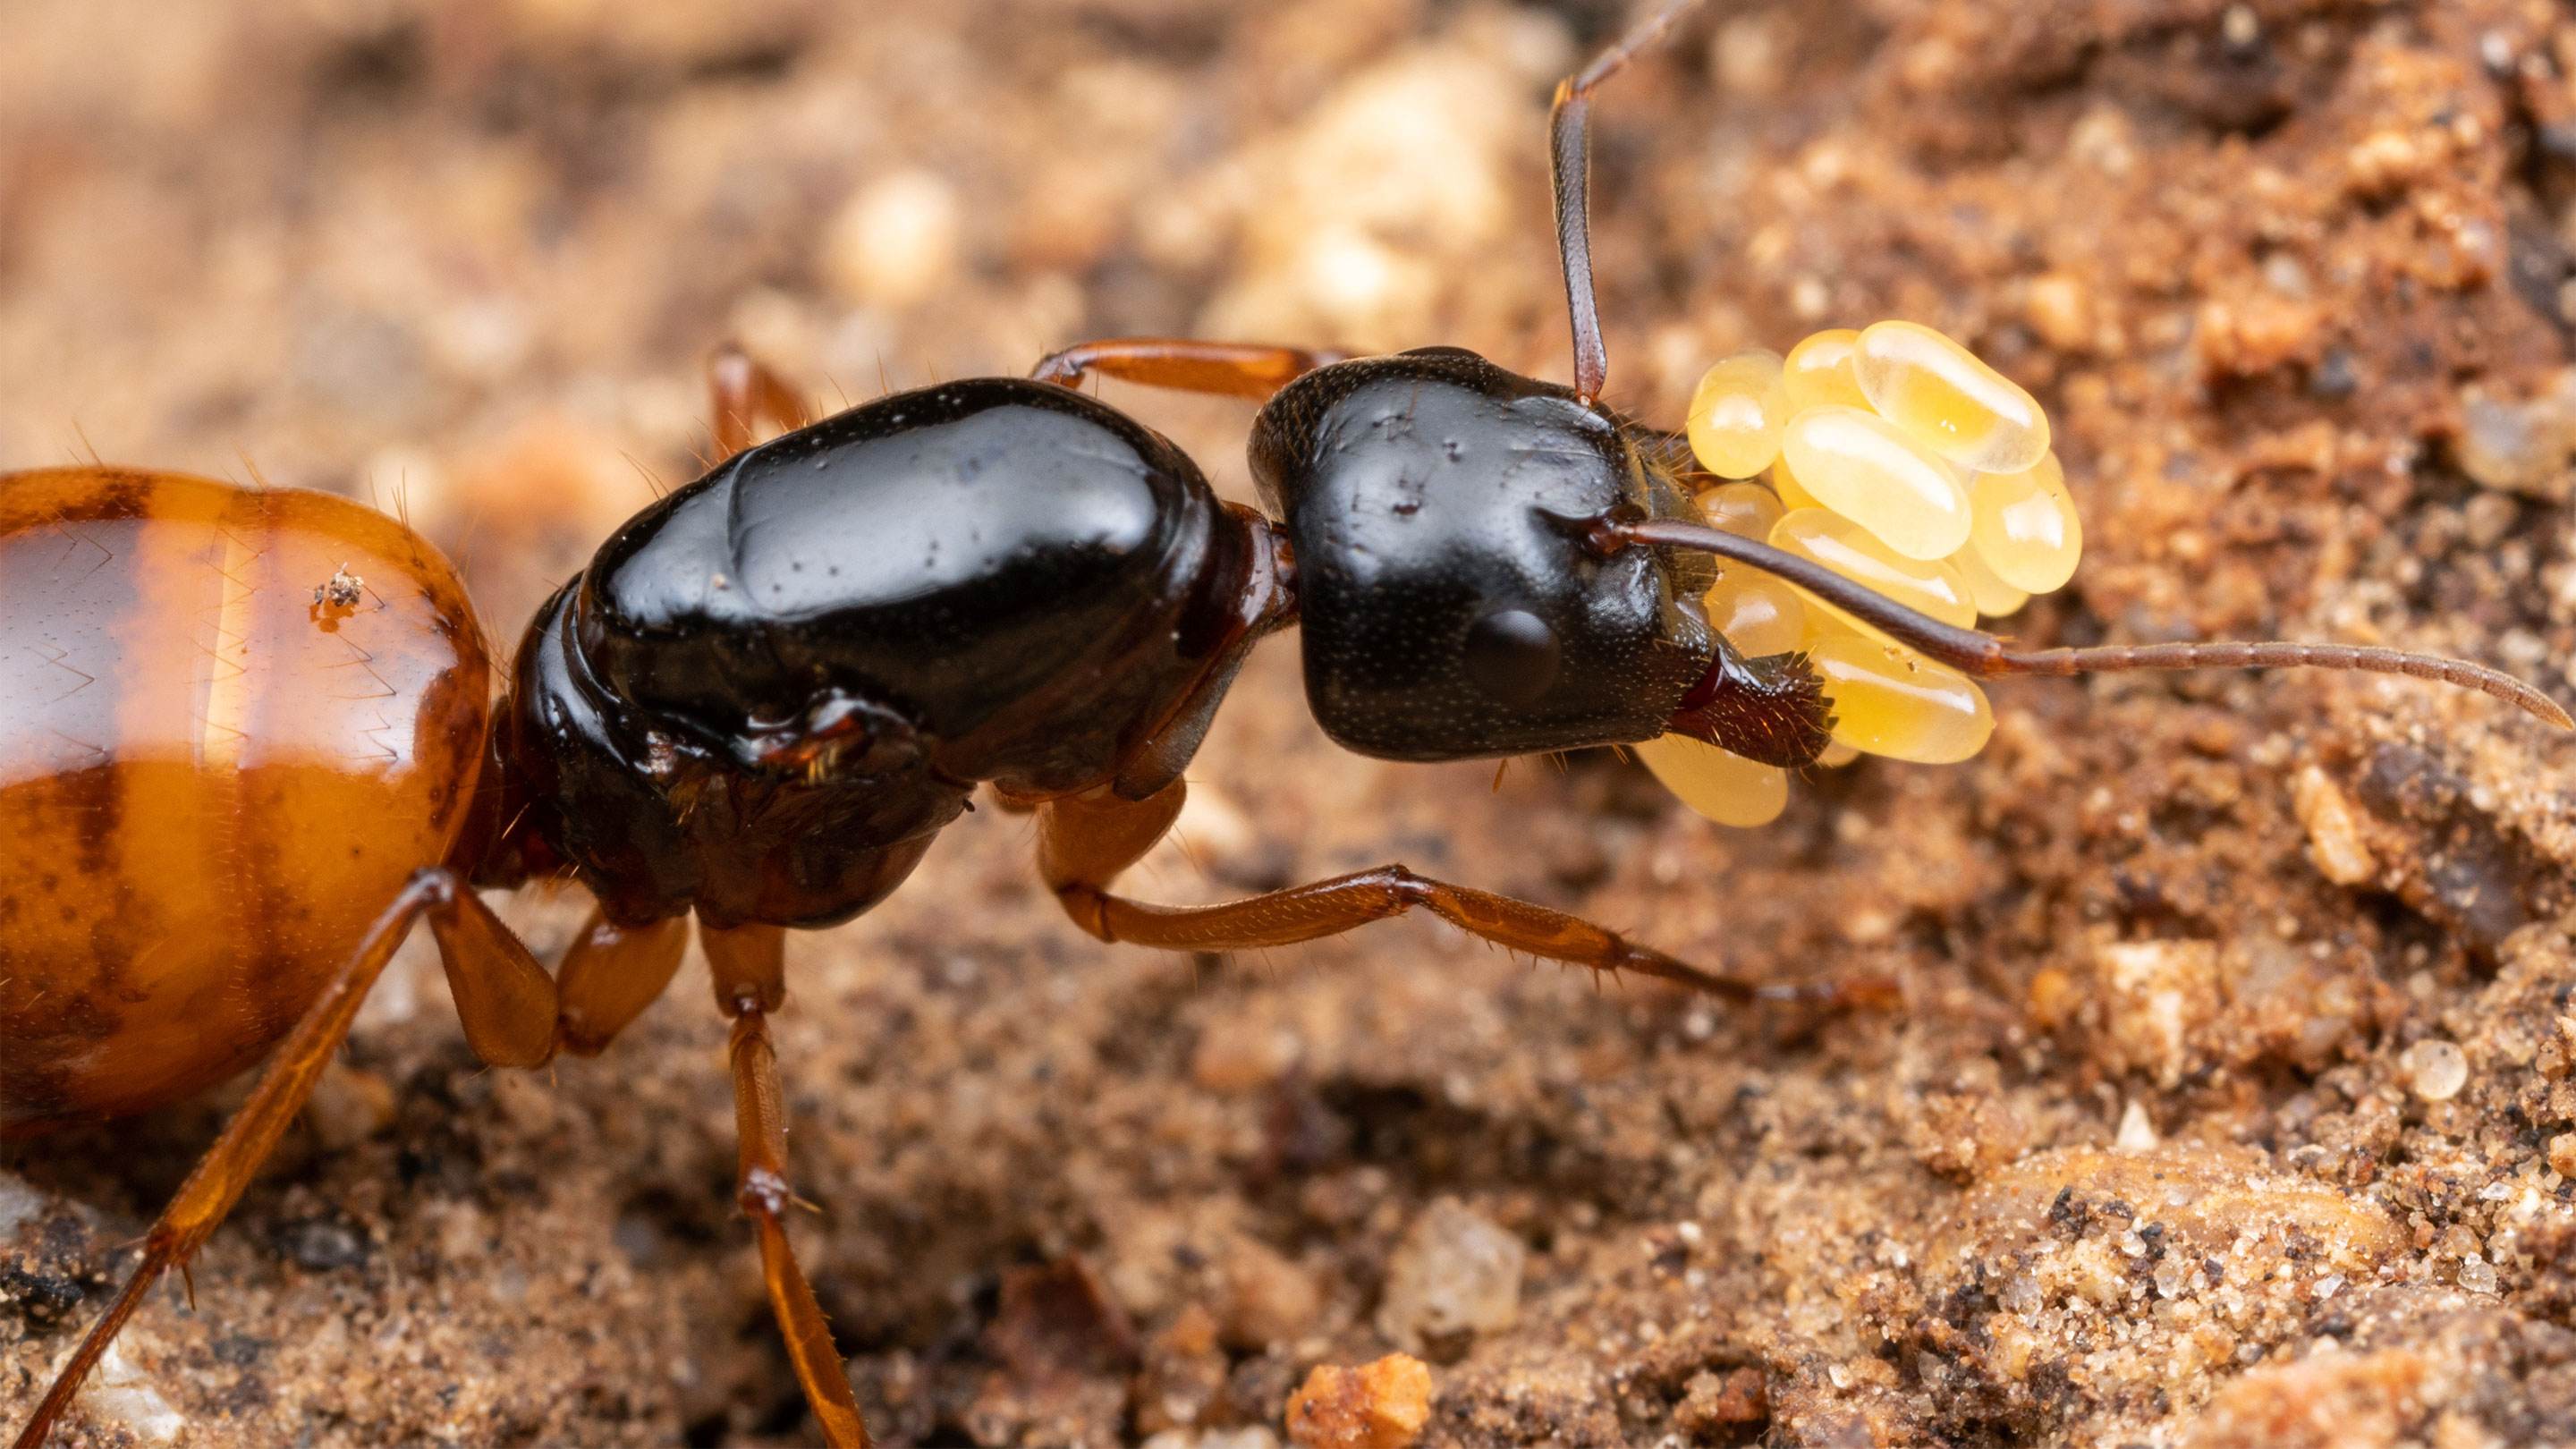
(769, 690)
(768, 693)
(1452, 603)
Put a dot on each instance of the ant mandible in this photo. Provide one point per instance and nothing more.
(222, 806)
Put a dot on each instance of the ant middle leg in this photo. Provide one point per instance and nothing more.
(1085, 841)
(508, 1007)
(742, 394)
(749, 967)
(1228, 369)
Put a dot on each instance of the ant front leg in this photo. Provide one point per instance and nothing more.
(1085, 840)
(1227, 369)
(748, 964)
(742, 393)
(508, 1007)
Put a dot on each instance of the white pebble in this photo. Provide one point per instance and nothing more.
(121, 1392)
(2437, 1069)
(1454, 1272)
(2137, 1134)
(896, 242)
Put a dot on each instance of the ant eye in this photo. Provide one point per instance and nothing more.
(1513, 655)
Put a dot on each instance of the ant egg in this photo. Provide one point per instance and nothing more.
(1758, 614)
(1939, 391)
(1993, 597)
(1894, 702)
(1747, 510)
(1818, 372)
(1896, 458)
(1719, 784)
(1736, 415)
(2025, 528)
(1792, 494)
(1933, 587)
(1868, 470)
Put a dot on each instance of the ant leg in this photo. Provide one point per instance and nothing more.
(750, 974)
(610, 975)
(508, 1019)
(1230, 369)
(743, 393)
(1569, 166)
(1084, 841)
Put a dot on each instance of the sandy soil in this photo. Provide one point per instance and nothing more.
(2235, 1098)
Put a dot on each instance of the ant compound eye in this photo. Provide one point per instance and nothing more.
(1513, 655)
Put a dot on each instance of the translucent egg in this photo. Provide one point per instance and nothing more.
(1837, 755)
(1736, 415)
(1940, 392)
(1757, 613)
(1893, 702)
(1745, 509)
(1792, 494)
(2025, 526)
(1933, 587)
(1819, 372)
(1993, 597)
(1725, 787)
(1868, 470)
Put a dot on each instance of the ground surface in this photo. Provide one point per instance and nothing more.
(2170, 1144)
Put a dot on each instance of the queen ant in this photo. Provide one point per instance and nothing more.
(768, 692)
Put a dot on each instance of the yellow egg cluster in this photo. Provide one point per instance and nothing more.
(1894, 457)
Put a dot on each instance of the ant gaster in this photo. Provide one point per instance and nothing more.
(769, 691)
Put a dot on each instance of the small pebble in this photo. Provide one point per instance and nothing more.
(896, 242)
(2137, 1132)
(1383, 1405)
(2436, 1069)
(1454, 1272)
(2335, 841)
(123, 1394)
(2518, 447)
(2562, 1154)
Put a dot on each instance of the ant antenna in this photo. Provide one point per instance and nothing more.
(1570, 168)
(1973, 652)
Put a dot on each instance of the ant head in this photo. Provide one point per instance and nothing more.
(1451, 602)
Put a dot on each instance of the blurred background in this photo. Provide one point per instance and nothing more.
(2232, 1100)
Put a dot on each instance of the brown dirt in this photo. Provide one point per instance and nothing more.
(2156, 1152)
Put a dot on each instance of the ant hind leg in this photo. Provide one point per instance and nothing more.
(1084, 841)
(508, 1008)
(610, 975)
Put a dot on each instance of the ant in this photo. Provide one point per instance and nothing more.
(251, 737)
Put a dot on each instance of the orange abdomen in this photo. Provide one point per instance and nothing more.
(209, 783)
